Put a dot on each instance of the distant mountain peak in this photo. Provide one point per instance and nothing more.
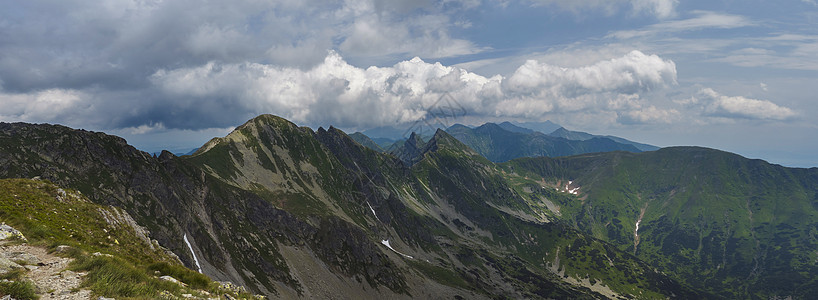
(457, 126)
(514, 128)
(415, 149)
(543, 127)
(443, 140)
(558, 130)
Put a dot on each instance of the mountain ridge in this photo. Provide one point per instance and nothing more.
(499, 145)
(720, 222)
(272, 199)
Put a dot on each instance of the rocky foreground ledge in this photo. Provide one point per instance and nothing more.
(59, 245)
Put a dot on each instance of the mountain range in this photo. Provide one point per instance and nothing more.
(506, 141)
(291, 212)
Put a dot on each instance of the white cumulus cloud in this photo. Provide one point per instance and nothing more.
(718, 105)
(335, 92)
(46, 105)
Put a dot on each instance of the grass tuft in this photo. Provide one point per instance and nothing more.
(192, 279)
(114, 277)
(21, 290)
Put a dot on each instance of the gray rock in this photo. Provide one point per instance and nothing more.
(23, 258)
(63, 249)
(68, 274)
(95, 254)
(7, 232)
(7, 265)
(171, 279)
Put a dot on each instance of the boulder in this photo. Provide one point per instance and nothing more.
(7, 232)
(7, 265)
(22, 258)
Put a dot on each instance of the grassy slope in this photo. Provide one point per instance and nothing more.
(720, 222)
(469, 184)
(50, 216)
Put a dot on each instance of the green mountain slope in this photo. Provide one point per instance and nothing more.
(498, 144)
(238, 235)
(489, 214)
(127, 261)
(736, 227)
(366, 141)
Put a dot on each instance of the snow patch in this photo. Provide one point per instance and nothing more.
(195, 259)
(568, 189)
(386, 243)
(373, 211)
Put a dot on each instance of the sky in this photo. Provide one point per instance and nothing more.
(739, 76)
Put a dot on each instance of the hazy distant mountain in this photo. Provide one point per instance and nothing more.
(402, 132)
(544, 127)
(584, 136)
(514, 128)
(571, 135)
(178, 152)
(365, 141)
(390, 132)
(384, 143)
(498, 144)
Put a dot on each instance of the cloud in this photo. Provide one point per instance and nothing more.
(718, 105)
(335, 92)
(702, 20)
(657, 8)
(629, 74)
(660, 8)
(648, 115)
(45, 105)
(117, 44)
(786, 51)
(620, 90)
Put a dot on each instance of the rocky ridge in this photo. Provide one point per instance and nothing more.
(272, 200)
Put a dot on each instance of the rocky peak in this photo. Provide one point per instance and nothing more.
(411, 151)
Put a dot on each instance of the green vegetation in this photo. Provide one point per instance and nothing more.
(13, 283)
(122, 266)
(114, 277)
(711, 224)
(441, 275)
(20, 289)
(716, 221)
(50, 216)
